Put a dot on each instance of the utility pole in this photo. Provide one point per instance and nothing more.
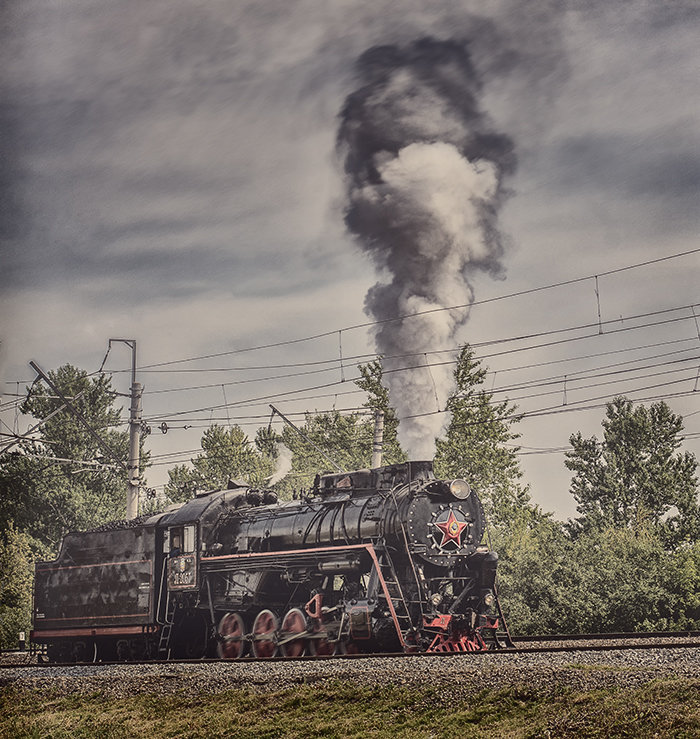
(378, 441)
(132, 496)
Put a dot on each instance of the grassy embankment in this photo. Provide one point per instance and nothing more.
(662, 709)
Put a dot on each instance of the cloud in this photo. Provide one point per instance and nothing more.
(630, 168)
(168, 168)
(142, 128)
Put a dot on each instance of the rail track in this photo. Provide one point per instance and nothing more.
(13, 659)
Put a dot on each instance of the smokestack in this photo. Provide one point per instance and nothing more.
(378, 440)
(424, 171)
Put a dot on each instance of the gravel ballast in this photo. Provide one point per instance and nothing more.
(457, 674)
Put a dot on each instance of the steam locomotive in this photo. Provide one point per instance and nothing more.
(381, 560)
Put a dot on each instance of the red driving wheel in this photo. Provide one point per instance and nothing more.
(265, 634)
(232, 629)
(321, 646)
(293, 623)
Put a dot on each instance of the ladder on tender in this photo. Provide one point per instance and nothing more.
(166, 629)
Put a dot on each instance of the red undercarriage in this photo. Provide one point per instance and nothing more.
(453, 637)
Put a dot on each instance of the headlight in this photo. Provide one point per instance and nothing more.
(460, 489)
(489, 600)
(436, 599)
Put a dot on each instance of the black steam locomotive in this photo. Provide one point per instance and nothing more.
(388, 559)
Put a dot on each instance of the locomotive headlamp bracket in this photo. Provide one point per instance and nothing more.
(434, 487)
(457, 488)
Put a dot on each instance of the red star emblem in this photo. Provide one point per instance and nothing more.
(452, 530)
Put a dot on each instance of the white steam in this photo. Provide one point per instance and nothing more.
(424, 174)
(283, 464)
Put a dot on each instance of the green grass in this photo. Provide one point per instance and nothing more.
(664, 708)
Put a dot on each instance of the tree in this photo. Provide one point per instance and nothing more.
(609, 580)
(18, 551)
(537, 577)
(345, 438)
(378, 401)
(227, 453)
(682, 588)
(636, 475)
(64, 481)
(478, 443)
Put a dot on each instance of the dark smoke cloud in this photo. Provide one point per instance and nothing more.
(425, 171)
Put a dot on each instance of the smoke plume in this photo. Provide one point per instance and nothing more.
(424, 171)
(283, 464)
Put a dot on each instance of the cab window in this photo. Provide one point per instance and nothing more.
(181, 540)
(189, 543)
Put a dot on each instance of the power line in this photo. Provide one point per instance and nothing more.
(596, 335)
(598, 354)
(571, 377)
(496, 354)
(452, 350)
(564, 449)
(62, 460)
(530, 385)
(368, 324)
(576, 405)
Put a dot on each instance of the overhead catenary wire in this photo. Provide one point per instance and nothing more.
(173, 461)
(586, 374)
(509, 350)
(574, 406)
(452, 350)
(475, 345)
(83, 462)
(289, 393)
(554, 382)
(518, 450)
(519, 415)
(587, 404)
(368, 324)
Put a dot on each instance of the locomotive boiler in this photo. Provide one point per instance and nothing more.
(380, 560)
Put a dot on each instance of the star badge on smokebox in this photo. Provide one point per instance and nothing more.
(451, 529)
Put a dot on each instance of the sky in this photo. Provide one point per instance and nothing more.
(189, 175)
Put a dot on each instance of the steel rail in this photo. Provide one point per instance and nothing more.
(616, 643)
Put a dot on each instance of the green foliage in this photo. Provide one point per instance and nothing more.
(46, 498)
(18, 552)
(631, 560)
(227, 453)
(613, 580)
(478, 445)
(41, 498)
(346, 439)
(536, 579)
(636, 475)
(681, 583)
